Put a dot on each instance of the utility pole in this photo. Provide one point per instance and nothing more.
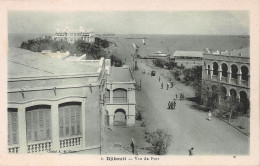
(140, 84)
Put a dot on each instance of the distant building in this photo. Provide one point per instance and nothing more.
(227, 73)
(71, 36)
(53, 104)
(120, 97)
(187, 58)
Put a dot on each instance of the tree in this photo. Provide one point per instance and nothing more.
(158, 62)
(160, 141)
(229, 107)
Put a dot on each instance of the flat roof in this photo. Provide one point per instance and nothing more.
(195, 54)
(243, 52)
(27, 63)
(120, 74)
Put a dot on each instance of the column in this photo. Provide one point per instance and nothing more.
(248, 82)
(211, 73)
(111, 119)
(83, 122)
(111, 95)
(239, 78)
(22, 130)
(55, 126)
(228, 77)
(219, 75)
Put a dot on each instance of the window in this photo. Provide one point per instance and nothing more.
(120, 96)
(38, 123)
(12, 126)
(70, 119)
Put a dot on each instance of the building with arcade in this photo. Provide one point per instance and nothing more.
(227, 73)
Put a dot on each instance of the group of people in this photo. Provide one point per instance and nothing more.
(171, 105)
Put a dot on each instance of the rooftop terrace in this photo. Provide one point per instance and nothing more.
(31, 64)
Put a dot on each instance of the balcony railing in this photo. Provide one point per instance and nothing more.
(244, 82)
(70, 142)
(119, 100)
(233, 81)
(214, 77)
(38, 147)
(13, 148)
(224, 79)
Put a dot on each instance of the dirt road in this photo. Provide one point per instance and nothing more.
(188, 126)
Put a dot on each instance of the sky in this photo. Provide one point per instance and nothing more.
(133, 22)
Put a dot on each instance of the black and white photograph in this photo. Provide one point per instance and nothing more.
(130, 85)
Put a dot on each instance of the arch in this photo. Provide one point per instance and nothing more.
(215, 68)
(38, 122)
(69, 119)
(233, 93)
(224, 68)
(120, 95)
(223, 92)
(214, 95)
(244, 72)
(245, 104)
(243, 96)
(234, 70)
(120, 117)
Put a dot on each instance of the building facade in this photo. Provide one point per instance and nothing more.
(53, 107)
(120, 97)
(227, 73)
(71, 36)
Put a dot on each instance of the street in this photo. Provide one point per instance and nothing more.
(189, 127)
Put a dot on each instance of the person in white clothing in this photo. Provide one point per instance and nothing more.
(209, 116)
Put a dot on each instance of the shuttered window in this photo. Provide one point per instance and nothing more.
(120, 96)
(70, 119)
(38, 123)
(107, 96)
(12, 126)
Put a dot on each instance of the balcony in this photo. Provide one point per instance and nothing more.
(13, 148)
(69, 143)
(120, 100)
(39, 147)
(244, 82)
(233, 81)
(215, 78)
(223, 79)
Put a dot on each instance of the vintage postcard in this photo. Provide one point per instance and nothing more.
(130, 82)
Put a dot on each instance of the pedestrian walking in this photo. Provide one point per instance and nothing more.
(167, 87)
(162, 85)
(169, 105)
(176, 96)
(191, 151)
(159, 78)
(209, 116)
(174, 104)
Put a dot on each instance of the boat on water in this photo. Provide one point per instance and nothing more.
(158, 54)
(143, 41)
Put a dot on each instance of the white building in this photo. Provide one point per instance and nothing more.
(120, 97)
(53, 105)
(71, 36)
